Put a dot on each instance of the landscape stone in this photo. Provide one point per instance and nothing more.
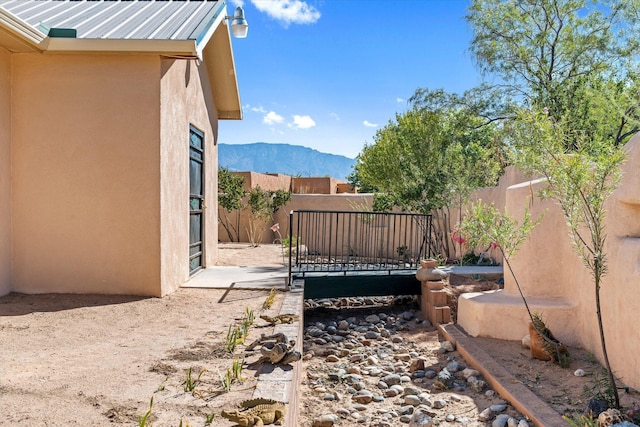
(486, 415)
(498, 407)
(412, 400)
(501, 421)
(420, 419)
(327, 420)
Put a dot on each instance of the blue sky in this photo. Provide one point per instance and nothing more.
(327, 74)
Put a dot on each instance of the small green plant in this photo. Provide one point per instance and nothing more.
(268, 302)
(293, 239)
(186, 425)
(237, 369)
(144, 421)
(234, 337)
(226, 380)
(577, 420)
(190, 383)
(600, 388)
(248, 316)
(209, 419)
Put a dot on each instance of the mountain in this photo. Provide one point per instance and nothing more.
(283, 158)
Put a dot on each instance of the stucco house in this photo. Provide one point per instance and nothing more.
(108, 143)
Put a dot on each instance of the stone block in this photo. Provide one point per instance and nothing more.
(437, 297)
(432, 285)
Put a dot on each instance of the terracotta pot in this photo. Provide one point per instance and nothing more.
(537, 345)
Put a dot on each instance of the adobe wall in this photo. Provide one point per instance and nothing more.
(86, 174)
(268, 182)
(344, 202)
(182, 104)
(5, 172)
(553, 277)
(315, 185)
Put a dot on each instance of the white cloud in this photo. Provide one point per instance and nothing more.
(259, 109)
(302, 122)
(368, 124)
(272, 118)
(399, 100)
(288, 11)
(334, 116)
(237, 3)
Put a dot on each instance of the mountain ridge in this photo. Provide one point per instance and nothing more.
(286, 159)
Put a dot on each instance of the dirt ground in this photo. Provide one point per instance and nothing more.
(94, 360)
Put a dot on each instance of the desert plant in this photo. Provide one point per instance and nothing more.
(485, 225)
(209, 419)
(190, 383)
(144, 421)
(234, 337)
(237, 369)
(226, 380)
(248, 316)
(578, 420)
(271, 298)
(600, 388)
(230, 195)
(582, 170)
(263, 204)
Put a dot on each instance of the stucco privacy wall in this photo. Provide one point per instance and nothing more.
(86, 173)
(5, 171)
(183, 104)
(559, 286)
(339, 202)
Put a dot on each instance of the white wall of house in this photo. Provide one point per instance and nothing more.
(5, 171)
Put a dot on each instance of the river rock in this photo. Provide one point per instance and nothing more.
(501, 421)
(447, 346)
(363, 396)
(498, 407)
(468, 372)
(327, 420)
(430, 274)
(420, 419)
(372, 318)
(392, 379)
(486, 415)
(412, 400)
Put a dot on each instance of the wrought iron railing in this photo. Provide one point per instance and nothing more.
(345, 242)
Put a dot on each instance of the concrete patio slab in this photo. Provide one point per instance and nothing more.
(222, 277)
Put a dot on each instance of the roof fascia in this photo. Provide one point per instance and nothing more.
(21, 29)
(165, 47)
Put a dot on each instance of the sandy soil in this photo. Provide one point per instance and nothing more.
(94, 360)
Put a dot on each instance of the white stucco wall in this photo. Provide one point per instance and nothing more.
(5, 171)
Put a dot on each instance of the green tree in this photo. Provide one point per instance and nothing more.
(576, 58)
(263, 205)
(580, 180)
(426, 161)
(230, 194)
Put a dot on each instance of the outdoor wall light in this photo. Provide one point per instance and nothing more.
(239, 25)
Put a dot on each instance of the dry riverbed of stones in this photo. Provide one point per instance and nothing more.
(376, 362)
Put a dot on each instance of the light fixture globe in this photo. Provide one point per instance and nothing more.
(239, 25)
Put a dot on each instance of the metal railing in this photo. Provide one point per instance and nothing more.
(344, 242)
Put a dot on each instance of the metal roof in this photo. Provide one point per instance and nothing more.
(120, 20)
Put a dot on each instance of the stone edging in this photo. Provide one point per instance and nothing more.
(505, 384)
(283, 382)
